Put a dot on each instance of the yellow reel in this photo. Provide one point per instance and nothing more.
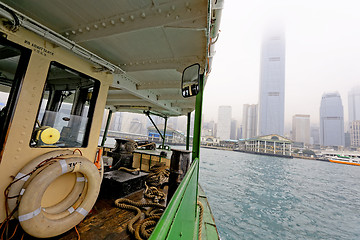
(48, 135)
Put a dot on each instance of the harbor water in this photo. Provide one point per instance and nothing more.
(264, 197)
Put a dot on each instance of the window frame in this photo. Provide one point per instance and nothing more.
(92, 104)
(21, 69)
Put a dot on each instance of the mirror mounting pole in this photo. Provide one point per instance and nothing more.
(188, 131)
(197, 121)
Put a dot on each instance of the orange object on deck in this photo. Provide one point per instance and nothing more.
(98, 158)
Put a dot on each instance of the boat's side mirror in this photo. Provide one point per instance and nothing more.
(190, 80)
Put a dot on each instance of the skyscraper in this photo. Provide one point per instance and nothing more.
(224, 123)
(331, 120)
(315, 135)
(250, 120)
(354, 115)
(301, 128)
(272, 83)
(234, 130)
(354, 104)
(355, 133)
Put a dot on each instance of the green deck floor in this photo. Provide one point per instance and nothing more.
(209, 230)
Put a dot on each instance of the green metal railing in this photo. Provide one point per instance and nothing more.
(179, 219)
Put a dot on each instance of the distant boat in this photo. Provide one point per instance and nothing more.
(345, 160)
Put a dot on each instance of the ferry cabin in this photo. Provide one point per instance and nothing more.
(63, 63)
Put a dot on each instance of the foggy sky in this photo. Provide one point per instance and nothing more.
(322, 54)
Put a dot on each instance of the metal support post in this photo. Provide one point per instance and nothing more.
(147, 113)
(188, 131)
(164, 138)
(197, 128)
(274, 147)
(106, 128)
(197, 121)
(179, 165)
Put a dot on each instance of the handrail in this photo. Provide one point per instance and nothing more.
(163, 227)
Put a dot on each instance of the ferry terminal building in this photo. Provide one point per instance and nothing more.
(272, 144)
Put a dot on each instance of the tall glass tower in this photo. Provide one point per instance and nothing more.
(249, 120)
(272, 83)
(301, 128)
(354, 104)
(331, 120)
(224, 123)
(354, 116)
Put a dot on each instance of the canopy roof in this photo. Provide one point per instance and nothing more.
(148, 43)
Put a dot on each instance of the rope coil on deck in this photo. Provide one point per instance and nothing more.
(155, 194)
(132, 171)
(201, 206)
(141, 231)
(143, 226)
(159, 175)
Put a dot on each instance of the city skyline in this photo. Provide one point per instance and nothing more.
(317, 60)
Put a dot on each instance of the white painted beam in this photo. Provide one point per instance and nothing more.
(159, 84)
(171, 13)
(177, 63)
(123, 81)
(120, 96)
(184, 104)
(177, 96)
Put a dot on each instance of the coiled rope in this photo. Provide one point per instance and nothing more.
(155, 194)
(142, 230)
(152, 146)
(159, 174)
(200, 217)
(144, 224)
(132, 171)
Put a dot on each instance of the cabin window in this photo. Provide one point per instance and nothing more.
(13, 64)
(66, 109)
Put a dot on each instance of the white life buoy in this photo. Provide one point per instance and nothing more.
(74, 198)
(53, 221)
(17, 188)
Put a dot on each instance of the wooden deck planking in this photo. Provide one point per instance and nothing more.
(106, 221)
